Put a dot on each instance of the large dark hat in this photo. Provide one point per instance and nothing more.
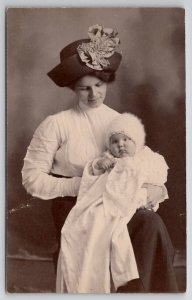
(83, 57)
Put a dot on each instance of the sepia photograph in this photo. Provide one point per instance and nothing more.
(96, 150)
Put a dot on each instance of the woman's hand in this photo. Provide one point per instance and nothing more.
(154, 194)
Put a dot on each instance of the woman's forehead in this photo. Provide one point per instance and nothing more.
(88, 80)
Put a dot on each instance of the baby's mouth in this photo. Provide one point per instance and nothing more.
(122, 151)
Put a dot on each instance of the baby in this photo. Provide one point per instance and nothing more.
(125, 140)
(96, 250)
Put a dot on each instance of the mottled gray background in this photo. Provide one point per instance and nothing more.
(150, 83)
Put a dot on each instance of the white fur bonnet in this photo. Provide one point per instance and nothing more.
(129, 125)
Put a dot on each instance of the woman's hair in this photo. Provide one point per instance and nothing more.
(106, 76)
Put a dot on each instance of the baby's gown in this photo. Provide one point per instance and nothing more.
(96, 253)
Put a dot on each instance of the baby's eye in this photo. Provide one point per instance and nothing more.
(127, 138)
(114, 141)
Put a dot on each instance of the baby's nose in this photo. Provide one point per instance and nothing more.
(121, 143)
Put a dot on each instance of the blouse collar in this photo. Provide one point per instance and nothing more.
(87, 109)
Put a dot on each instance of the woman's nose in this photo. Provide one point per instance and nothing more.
(92, 92)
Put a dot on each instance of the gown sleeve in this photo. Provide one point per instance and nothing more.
(38, 163)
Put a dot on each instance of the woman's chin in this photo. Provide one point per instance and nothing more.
(94, 104)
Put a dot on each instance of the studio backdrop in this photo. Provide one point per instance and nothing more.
(150, 83)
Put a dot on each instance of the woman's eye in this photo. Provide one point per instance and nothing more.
(83, 88)
(100, 83)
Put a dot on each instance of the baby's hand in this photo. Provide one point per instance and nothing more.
(105, 163)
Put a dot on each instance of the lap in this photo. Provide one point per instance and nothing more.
(144, 217)
(153, 251)
(146, 229)
(146, 221)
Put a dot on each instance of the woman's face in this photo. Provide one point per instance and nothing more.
(90, 91)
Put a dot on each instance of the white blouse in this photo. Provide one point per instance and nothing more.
(62, 144)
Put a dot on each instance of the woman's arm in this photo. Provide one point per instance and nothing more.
(156, 171)
(38, 164)
(154, 167)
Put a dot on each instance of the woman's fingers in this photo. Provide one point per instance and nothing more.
(154, 193)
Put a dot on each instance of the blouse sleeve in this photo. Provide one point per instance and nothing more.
(156, 168)
(38, 164)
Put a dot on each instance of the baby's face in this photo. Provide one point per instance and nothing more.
(121, 145)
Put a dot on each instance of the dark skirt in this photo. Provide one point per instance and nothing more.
(151, 243)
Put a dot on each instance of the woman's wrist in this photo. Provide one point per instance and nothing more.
(70, 186)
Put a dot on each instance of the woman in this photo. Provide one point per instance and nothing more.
(63, 143)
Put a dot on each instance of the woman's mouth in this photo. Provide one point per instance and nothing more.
(93, 100)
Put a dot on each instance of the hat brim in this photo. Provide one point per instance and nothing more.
(72, 68)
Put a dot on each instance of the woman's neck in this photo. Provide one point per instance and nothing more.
(85, 107)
